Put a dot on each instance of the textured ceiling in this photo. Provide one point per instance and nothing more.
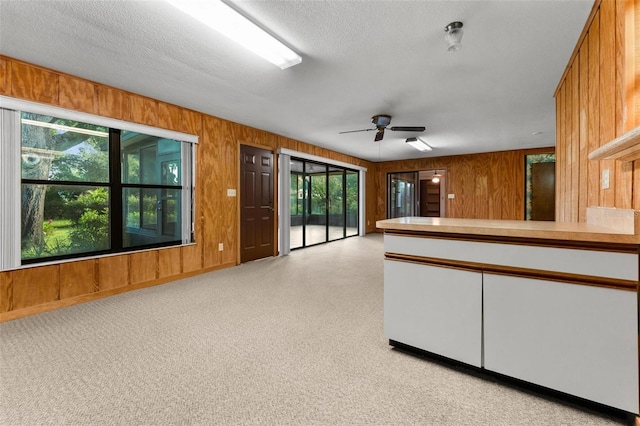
(359, 59)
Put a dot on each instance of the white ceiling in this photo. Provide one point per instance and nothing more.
(359, 59)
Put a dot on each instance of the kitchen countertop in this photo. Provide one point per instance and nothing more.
(568, 231)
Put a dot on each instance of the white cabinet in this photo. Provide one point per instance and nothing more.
(435, 309)
(577, 339)
(560, 315)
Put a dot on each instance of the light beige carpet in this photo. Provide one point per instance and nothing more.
(295, 340)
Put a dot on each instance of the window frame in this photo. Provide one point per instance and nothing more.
(11, 182)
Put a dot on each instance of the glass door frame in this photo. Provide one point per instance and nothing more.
(284, 190)
(308, 199)
(414, 204)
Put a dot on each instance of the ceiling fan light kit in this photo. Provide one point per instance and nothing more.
(453, 36)
(418, 144)
(381, 121)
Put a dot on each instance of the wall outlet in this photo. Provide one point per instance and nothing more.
(451, 196)
(231, 192)
(605, 179)
(220, 247)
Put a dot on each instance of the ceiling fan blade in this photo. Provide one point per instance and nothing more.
(407, 128)
(354, 131)
(379, 135)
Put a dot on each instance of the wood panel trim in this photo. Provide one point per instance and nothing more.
(593, 112)
(628, 64)
(256, 145)
(5, 76)
(577, 279)
(537, 242)
(576, 50)
(561, 166)
(607, 85)
(50, 306)
(583, 104)
(574, 161)
(34, 83)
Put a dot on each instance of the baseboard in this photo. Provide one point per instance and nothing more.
(57, 304)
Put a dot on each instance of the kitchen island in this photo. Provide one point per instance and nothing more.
(554, 304)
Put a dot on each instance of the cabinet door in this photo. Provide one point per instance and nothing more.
(434, 308)
(577, 339)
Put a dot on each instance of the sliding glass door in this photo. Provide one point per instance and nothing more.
(352, 196)
(335, 203)
(315, 219)
(297, 196)
(324, 203)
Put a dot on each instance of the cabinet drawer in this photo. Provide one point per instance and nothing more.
(623, 266)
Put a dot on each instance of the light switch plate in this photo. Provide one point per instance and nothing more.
(231, 192)
(451, 196)
(605, 179)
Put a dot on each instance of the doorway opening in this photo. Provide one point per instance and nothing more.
(432, 190)
(540, 187)
(416, 193)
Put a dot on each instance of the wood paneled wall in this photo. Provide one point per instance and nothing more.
(40, 288)
(486, 186)
(597, 101)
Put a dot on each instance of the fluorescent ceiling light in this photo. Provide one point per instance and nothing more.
(232, 24)
(418, 144)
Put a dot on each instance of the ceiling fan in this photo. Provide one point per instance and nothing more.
(381, 121)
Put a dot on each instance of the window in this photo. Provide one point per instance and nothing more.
(89, 189)
(152, 191)
(65, 187)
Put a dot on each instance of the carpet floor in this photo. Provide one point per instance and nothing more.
(293, 340)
